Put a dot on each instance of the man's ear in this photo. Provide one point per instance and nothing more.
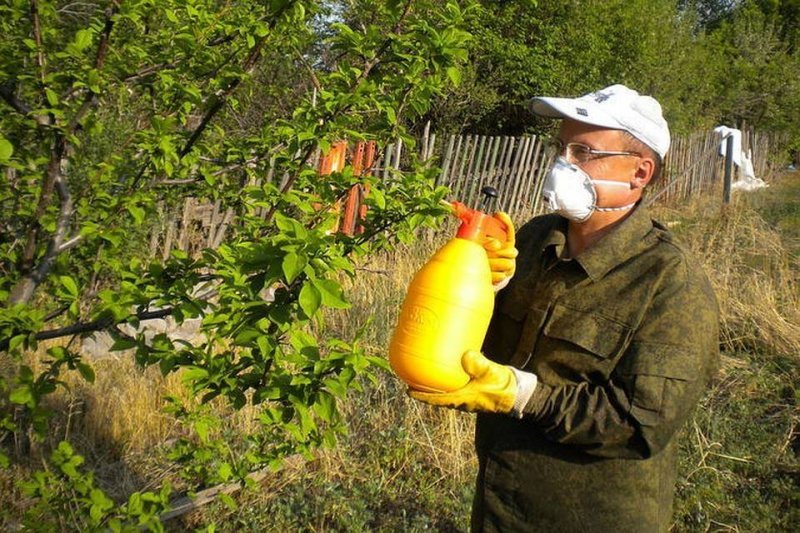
(643, 173)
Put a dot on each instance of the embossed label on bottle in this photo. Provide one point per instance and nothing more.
(419, 320)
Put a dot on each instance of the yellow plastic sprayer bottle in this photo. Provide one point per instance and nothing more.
(448, 307)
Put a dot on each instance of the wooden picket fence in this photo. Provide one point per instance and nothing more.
(515, 166)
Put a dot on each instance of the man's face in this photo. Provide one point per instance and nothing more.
(623, 168)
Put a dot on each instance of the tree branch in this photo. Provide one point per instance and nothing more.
(102, 48)
(71, 243)
(37, 37)
(54, 179)
(53, 171)
(219, 98)
(102, 323)
(7, 91)
(372, 63)
(364, 74)
(288, 185)
(147, 71)
(311, 74)
(102, 51)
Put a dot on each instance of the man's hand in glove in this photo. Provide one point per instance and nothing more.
(502, 255)
(492, 388)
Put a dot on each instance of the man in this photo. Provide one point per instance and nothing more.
(600, 345)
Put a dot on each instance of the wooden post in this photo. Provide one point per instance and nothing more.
(544, 164)
(398, 150)
(425, 136)
(527, 146)
(505, 199)
(387, 160)
(726, 189)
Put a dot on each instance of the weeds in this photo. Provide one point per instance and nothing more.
(406, 466)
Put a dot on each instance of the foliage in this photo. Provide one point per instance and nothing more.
(115, 111)
(707, 62)
(67, 487)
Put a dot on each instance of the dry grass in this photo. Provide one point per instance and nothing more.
(397, 446)
(752, 272)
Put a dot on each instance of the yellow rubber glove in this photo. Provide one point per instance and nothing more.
(502, 255)
(492, 387)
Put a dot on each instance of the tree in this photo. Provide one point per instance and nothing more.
(112, 111)
(707, 62)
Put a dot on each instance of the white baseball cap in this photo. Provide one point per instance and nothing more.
(616, 107)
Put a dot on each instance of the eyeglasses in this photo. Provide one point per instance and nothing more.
(577, 153)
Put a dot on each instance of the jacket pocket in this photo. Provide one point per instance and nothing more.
(505, 329)
(602, 337)
(658, 372)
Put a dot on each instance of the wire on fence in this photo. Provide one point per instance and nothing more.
(680, 177)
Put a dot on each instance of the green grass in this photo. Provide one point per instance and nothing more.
(739, 455)
(780, 207)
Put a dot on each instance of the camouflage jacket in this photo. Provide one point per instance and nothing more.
(624, 340)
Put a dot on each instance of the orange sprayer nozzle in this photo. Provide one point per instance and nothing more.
(477, 225)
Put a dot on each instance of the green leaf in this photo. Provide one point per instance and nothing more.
(325, 407)
(86, 371)
(331, 292)
(135, 503)
(59, 353)
(65, 449)
(378, 198)
(228, 501)
(69, 284)
(201, 427)
(122, 343)
(194, 373)
(6, 149)
(292, 265)
(52, 97)
(83, 39)
(310, 299)
(22, 396)
(95, 513)
(454, 74)
(100, 499)
(225, 471)
(136, 212)
(100, 504)
(16, 341)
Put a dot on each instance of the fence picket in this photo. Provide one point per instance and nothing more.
(473, 195)
(527, 178)
(514, 189)
(441, 179)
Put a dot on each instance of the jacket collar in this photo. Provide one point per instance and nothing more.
(614, 248)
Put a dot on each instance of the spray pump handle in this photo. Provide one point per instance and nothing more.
(477, 225)
(490, 195)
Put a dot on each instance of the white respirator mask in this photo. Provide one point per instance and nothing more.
(570, 191)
